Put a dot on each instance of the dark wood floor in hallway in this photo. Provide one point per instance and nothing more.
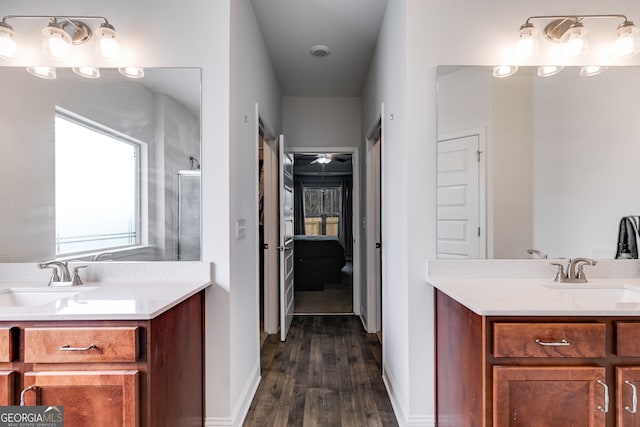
(327, 373)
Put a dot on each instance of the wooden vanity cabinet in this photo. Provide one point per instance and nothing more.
(114, 373)
(535, 371)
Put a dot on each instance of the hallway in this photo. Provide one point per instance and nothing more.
(327, 373)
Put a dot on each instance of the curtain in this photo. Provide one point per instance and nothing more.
(345, 231)
(298, 207)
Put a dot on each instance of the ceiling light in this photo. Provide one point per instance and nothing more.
(570, 32)
(592, 70)
(55, 40)
(320, 51)
(42, 71)
(132, 72)
(107, 43)
(7, 40)
(549, 70)
(88, 72)
(323, 159)
(626, 41)
(501, 71)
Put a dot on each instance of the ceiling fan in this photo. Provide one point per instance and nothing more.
(324, 158)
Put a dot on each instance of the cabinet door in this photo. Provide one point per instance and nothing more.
(6, 388)
(549, 396)
(89, 398)
(627, 390)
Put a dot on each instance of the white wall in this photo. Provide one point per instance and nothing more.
(427, 34)
(143, 25)
(321, 121)
(252, 81)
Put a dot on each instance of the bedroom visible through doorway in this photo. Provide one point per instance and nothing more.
(323, 243)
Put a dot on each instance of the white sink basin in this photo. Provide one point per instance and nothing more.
(31, 297)
(599, 292)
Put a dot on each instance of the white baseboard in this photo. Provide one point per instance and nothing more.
(421, 421)
(242, 405)
(389, 384)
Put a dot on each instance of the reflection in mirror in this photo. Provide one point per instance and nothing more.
(558, 163)
(91, 168)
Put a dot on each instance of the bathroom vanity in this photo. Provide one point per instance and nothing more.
(121, 354)
(531, 352)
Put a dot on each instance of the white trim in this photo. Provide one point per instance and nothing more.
(243, 403)
(355, 224)
(373, 315)
(421, 421)
(217, 422)
(389, 383)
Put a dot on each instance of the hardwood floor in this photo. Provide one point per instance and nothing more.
(327, 373)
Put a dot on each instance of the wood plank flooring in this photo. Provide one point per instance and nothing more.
(327, 373)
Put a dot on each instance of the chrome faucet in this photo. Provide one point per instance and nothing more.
(540, 254)
(575, 270)
(61, 275)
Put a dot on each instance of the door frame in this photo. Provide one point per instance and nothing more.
(373, 317)
(271, 285)
(355, 226)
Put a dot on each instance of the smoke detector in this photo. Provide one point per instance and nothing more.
(320, 51)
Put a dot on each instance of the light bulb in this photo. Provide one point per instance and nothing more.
(575, 40)
(626, 41)
(107, 44)
(42, 71)
(55, 41)
(132, 72)
(549, 70)
(87, 71)
(527, 44)
(7, 41)
(501, 71)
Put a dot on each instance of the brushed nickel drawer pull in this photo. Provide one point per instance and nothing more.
(562, 343)
(67, 347)
(634, 398)
(604, 408)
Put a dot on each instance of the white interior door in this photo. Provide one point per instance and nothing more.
(286, 239)
(271, 238)
(459, 231)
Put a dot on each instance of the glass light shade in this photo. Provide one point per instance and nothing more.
(107, 43)
(626, 41)
(56, 42)
(501, 71)
(132, 72)
(592, 70)
(549, 70)
(323, 159)
(7, 41)
(87, 71)
(575, 40)
(42, 71)
(527, 44)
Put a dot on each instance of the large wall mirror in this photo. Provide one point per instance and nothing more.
(528, 162)
(100, 169)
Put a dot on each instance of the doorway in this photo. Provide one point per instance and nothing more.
(323, 246)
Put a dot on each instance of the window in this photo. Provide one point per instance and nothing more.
(97, 187)
(322, 210)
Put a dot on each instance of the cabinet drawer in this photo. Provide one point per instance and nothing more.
(628, 339)
(81, 345)
(549, 340)
(6, 345)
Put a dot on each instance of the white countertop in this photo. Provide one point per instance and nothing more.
(117, 300)
(543, 297)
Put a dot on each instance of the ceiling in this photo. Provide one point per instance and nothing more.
(348, 27)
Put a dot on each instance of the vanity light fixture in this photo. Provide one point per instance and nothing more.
(60, 36)
(132, 72)
(592, 70)
(570, 32)
(501, 71)
(549, 70)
